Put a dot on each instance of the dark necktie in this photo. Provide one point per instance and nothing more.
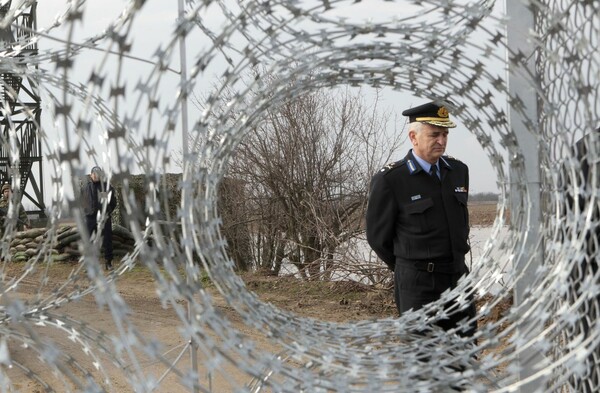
(434, 172)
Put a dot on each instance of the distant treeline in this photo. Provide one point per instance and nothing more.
(484, 197)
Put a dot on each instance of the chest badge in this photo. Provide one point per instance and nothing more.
(460, 189)
(415, 197)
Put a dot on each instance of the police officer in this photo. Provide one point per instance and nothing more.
(417, 217)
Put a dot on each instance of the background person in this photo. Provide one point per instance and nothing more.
(23, 222)
(417, 216)
(93, 195)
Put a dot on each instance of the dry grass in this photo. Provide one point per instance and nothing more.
(482, 213)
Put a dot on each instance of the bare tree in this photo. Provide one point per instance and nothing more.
(305, 170)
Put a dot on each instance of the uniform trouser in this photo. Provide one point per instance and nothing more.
(415, 287)
(589, 381)
(591, 378)
(107, 245)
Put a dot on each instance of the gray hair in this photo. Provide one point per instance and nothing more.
(415, 126)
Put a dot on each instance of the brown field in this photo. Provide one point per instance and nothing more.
(482, 213)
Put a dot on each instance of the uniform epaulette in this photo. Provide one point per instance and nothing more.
(452, 158)
(392, 165)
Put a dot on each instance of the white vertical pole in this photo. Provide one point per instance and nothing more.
(184, 137)
(521, 21)
(184, 99)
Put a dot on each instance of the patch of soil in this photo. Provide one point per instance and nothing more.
(337, 301)
(342, 301)
(482, 213)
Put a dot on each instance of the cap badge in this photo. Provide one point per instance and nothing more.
(442, 112)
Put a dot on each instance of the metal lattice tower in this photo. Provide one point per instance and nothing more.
(20, 112)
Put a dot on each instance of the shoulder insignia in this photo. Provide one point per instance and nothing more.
(392, 165)
(452, 158)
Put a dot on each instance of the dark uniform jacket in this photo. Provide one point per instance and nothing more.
(22, 219)
(410, 218)
(92, 195)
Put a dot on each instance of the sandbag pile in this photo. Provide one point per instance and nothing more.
(27, 244)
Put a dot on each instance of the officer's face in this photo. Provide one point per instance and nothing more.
(94, 177)
(430, 142)
(6, 193)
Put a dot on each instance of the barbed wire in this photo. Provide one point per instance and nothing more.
(128, 122)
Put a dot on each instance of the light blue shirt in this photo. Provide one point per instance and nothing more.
(425, 165)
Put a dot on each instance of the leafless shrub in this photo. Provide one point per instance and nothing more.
(301, 179)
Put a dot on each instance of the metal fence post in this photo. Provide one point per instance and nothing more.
(521, 20)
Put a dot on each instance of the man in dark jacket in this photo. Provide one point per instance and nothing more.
(417, 217)
(94, 195)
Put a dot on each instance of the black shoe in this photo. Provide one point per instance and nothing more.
(108, 266)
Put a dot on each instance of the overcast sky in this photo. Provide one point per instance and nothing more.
(153, 27)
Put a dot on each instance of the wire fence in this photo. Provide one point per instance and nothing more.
(112, 97)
